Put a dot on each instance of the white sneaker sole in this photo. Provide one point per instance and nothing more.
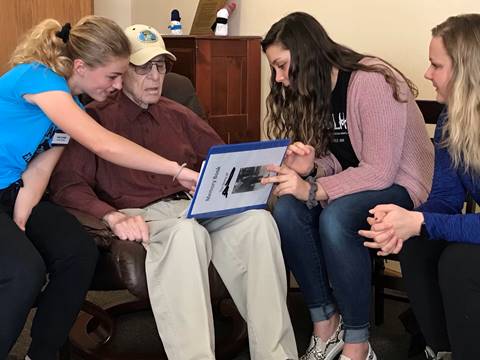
(337, 349)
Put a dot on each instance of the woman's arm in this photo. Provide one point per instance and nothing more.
(377, 122)
(448, 193)
(35, 179)
(66, 114)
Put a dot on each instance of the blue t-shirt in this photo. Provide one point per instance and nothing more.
(25, 130)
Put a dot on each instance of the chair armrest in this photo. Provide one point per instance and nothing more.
(129, 259)
(95, 227)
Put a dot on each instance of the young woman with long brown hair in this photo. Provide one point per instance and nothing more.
(359, 139)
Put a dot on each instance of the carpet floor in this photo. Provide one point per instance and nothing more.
(390, 341)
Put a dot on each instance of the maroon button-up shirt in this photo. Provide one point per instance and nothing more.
(88, 183)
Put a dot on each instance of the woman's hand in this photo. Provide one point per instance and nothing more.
(385, 240)
(299, 157)
(22, 208)
(188, 179)
(35, 179)
(288, 182)
(391, 225)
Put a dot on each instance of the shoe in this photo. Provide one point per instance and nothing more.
(328, 350)
(441, 355)
(370, 355)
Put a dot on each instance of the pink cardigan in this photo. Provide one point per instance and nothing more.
(389, 139)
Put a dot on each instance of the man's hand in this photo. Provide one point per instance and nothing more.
(132, 228)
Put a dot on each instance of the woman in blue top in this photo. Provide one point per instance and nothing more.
(440, 259)
(39, 111)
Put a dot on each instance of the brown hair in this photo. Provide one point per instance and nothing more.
(301, 111)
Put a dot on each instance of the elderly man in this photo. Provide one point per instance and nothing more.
(139, 206)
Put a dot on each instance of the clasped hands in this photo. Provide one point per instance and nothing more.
(390, 227)
(298, 162)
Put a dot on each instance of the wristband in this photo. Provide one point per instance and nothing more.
(312, 193)
(179, 171)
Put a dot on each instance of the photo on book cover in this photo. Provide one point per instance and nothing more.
(249, 178)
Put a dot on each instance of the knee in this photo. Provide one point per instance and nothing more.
(24, 275)
(284, 210)
(331, 224)
(415, 252)
(191, 234)
(262, 227)
(294, 221)
(255, 219)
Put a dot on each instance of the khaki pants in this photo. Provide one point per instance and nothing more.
(245, 250)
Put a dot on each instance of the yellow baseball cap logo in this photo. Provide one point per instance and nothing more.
(147, 36)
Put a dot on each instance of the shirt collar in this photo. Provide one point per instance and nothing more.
(128, 107)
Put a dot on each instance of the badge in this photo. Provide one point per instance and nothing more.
(60, 138)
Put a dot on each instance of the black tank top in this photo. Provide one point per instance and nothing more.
(340, 144)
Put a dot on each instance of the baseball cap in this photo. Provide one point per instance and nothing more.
(146, 44)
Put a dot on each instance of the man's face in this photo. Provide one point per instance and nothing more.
(143, 84)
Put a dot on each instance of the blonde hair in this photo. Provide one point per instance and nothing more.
(461, 133)
(94, 39)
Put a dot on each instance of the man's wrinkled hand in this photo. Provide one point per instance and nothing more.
(132, 228)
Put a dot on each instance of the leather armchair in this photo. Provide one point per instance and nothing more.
(121, 266)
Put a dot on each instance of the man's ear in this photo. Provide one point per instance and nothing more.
(79, 67)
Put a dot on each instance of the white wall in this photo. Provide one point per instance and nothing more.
(398, 31)
(157, 13)
(118, 10)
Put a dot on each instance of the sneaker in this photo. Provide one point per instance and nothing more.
(441, 355)
(370, 355)
(328, 350)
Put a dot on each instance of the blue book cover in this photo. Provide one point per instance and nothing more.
(229, 180)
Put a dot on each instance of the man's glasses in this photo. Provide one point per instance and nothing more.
(162, 66)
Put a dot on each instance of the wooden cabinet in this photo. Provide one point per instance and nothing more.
(17, 16)
(226, 74)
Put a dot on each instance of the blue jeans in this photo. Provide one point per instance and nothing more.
(326, 255)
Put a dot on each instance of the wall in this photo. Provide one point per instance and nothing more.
(157, 13)
(118, 10)
(396, 31)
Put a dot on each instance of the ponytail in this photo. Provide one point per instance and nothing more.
(94, 39)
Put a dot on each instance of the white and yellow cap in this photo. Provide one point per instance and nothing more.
(146, 44)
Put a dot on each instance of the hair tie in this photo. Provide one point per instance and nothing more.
(64, 34)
